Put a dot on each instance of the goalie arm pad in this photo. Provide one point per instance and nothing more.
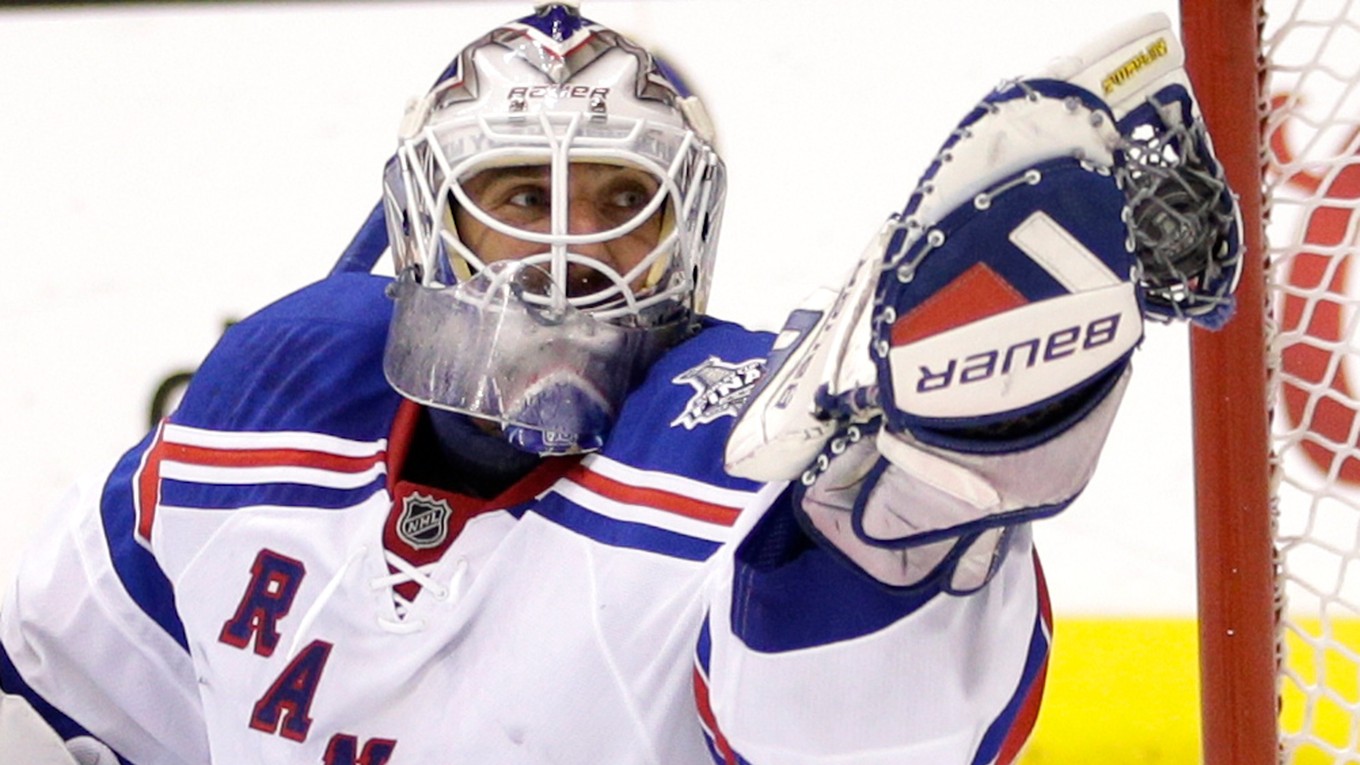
(905, 512)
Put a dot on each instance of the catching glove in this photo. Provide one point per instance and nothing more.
(965, 376)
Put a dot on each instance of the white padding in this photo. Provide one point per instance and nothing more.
(921, 691)
(1126, 64)
(26, 738)
(1062, 255)
(956, 481)
(1018, 134)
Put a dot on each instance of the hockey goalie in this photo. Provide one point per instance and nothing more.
(525, 502)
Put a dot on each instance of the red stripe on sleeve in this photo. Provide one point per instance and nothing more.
(1029, 709)
(1024, 719)
(148, 486)
(148, 479)
(705, 708)
(655, 498)
(211, 457)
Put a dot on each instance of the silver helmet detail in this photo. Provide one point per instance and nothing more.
(489, 230)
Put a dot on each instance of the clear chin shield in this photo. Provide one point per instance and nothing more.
(501, 348)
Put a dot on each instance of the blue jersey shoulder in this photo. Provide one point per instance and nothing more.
(311, 361)
(678, 419)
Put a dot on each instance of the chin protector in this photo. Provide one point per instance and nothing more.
(500, 349)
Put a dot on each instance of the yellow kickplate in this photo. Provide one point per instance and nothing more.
(1125, 691)
(1120, 691)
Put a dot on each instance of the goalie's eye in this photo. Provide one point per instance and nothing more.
(518, 196)
(528, 198)
(617, 212)
(621, 196)
(602, 196)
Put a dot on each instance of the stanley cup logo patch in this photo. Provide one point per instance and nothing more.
(424, 521)
(720, 389)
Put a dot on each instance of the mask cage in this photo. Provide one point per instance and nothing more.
(423, 183)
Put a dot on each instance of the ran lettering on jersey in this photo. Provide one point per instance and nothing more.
(274, 582)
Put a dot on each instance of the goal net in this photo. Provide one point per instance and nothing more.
(1279, 499)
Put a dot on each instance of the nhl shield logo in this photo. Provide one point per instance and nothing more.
(720, 389)
(424, 521)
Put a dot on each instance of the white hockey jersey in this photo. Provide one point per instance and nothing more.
(258, 582)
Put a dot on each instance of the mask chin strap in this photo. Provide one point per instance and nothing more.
(453, 247)
(676, 210)
(667, 243)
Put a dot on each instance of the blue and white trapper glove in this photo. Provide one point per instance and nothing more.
(1186, 222)
(963, 379)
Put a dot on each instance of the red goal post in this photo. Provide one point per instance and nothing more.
(1228, 372)
(1277, 424)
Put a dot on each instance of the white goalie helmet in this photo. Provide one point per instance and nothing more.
(519, 318)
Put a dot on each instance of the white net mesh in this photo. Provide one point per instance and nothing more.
(1312, 134)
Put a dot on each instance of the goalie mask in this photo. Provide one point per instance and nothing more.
(553, 208)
